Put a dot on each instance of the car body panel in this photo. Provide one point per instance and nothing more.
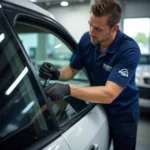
(59, 144)
(143, 81)
(90, 129)
(144, 103)
(143, 72)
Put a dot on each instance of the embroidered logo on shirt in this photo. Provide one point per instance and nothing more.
(124, 72)
(107, 67)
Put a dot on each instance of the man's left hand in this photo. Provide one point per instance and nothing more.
(57, 91)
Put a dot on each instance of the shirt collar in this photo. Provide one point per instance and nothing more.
(113, 47)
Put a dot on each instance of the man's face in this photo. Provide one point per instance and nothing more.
(99, 29)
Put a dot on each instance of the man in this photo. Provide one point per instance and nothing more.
(110, 58)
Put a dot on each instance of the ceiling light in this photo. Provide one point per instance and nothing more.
(64, 3)
(33, 1)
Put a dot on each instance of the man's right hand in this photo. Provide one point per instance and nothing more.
(48, 70)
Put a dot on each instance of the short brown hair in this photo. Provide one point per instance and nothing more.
(107, 7)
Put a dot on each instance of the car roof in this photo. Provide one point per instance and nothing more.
(28, 5)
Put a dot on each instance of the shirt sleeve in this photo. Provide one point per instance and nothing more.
(76, 60)
(125, 68)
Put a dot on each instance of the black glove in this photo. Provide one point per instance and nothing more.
(57, 91)
(48, 70)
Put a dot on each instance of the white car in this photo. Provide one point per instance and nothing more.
(143, 81)
(29, 119)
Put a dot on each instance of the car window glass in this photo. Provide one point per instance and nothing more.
(44, 45)
(145, 59)
(24, 117)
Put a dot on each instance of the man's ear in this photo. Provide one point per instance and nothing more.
(116, 27)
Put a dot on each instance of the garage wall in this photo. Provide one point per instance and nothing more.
(139, 9)
(74, 18)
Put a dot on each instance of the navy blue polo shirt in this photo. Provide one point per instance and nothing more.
(117, 64)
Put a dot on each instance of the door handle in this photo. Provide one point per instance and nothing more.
(94, 147)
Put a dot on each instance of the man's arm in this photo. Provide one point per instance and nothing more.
(67, 73)
(100, 94)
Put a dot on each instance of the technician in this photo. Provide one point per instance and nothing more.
(110, 58)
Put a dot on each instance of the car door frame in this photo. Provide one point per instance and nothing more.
(12, 12)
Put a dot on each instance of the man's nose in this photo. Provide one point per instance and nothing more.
(92, 33)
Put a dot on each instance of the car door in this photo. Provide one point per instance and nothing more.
(25, 117)
(83, 125)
